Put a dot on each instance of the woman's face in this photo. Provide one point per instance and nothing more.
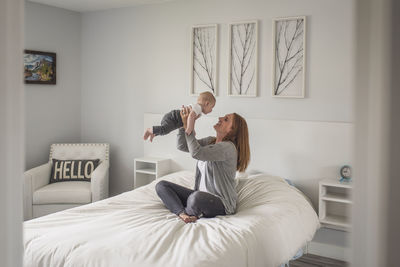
(224, 125)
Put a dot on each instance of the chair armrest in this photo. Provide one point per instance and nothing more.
(34, 179)
(99, 182)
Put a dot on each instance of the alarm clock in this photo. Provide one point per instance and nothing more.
(345, 173)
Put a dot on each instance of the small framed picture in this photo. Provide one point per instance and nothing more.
(243, 45)
(204, 59)
(289, 50)
(39, 67)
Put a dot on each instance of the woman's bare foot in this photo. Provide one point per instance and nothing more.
(148, 133)
(186, 218)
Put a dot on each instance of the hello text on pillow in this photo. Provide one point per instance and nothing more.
(72, 170)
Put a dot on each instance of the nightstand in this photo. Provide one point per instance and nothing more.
(335, 200)
(147, 169)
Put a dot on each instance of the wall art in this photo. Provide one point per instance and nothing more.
(289, 51)
(204, 59)
(39, 67)
(243, 45)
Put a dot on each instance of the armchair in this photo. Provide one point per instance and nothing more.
(42, 197)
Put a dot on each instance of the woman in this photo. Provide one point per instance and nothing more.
(218, 159)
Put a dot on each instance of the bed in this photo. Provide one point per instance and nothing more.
(273, 221)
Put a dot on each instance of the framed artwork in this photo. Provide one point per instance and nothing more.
(39, 67)
(289, 50)
(204, 59)
(243, 46)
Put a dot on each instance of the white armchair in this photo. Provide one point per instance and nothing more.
(42, 197)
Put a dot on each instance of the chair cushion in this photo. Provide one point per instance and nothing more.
(63, 193)
(72, 170)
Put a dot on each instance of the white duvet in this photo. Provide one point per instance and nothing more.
(273, 221)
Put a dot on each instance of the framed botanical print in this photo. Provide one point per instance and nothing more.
(243, 45)
(204, 59)
(289, 50)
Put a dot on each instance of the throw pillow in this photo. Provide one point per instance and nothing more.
(72, 170)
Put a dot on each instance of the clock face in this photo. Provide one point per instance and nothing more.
(345, 172)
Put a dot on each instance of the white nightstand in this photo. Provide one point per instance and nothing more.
(335, 200)
(147, 169)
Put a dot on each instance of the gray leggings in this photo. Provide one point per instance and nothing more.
(171, 121)
(180, 199)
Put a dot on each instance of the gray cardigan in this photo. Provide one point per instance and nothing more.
(221, 162)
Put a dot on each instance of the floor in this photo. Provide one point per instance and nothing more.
(310, 260)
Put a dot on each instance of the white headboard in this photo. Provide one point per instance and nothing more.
(302, 151)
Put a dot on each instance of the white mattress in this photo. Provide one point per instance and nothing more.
(272, 222)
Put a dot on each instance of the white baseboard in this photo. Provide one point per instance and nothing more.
(329, 251)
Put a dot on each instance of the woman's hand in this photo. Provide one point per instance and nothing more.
(185, 111)
(190, 122)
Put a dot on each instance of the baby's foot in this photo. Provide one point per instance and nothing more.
(148, 133)
(151, 137)
(186, 218)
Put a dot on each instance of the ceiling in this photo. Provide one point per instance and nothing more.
(95, 5)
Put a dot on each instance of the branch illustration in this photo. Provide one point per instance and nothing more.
(290, 55)
(243, 46)
(204, 56)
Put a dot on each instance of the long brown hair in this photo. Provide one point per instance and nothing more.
(239, 136)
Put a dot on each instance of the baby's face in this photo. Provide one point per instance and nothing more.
(207, 107)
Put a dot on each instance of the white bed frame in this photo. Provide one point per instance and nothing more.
(302, 151)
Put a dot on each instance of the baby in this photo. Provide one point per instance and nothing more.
(172, 120)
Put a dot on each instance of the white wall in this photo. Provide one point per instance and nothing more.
(53, 112)
(375, 240)
(137, 60)
(11, 131)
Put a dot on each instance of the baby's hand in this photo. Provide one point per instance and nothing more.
(192, 113)
(185, 111)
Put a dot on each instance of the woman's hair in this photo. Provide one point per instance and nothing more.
(239, 136)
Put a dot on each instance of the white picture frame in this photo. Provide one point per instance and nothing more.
(243, 59)
(204, 59)
(289, 57)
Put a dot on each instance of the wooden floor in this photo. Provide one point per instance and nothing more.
(310, 260)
